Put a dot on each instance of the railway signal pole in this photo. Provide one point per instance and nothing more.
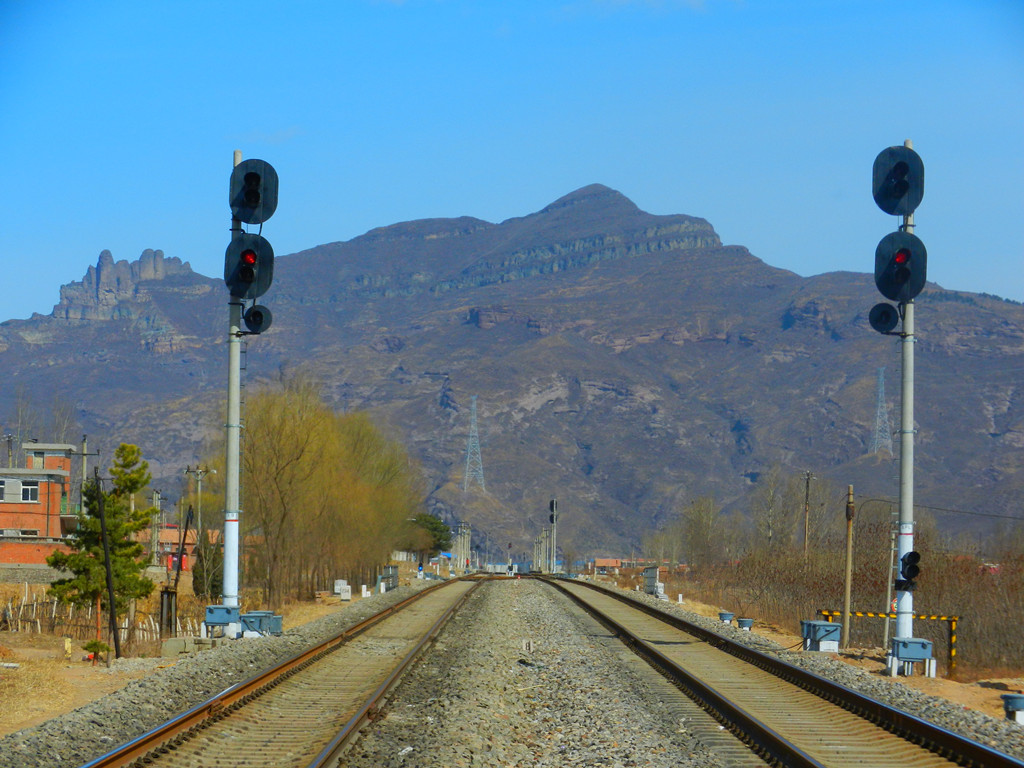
(900, 275)
(248, 272)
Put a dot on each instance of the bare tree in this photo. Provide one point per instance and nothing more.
(773, 517)
(63, 425)
(702, 532)
(326, 495)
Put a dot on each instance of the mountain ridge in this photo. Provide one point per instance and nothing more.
(623, 360)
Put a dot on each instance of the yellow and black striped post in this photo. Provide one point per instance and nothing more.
(952, 621)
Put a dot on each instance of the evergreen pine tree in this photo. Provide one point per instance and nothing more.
(85, 562)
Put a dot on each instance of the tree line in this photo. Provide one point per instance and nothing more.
(325, 495)
(755, 561)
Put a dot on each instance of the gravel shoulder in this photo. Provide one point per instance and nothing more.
(92, 730)
(547, 691)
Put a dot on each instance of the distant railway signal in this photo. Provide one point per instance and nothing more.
(253, 191)
(909, 571)
(901, 266)
(248, 266)
(897, 180)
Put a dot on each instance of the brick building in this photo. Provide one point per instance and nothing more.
(36, 511)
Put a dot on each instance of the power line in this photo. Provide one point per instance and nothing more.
(954, 511)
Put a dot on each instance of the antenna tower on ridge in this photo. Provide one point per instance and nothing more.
(882, 439)
(474, 462)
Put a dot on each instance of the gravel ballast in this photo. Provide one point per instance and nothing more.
(521, 677)
(517, 678)
(98, 727)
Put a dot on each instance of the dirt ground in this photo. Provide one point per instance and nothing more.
(46, 684)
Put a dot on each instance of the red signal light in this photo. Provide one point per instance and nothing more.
(248, 257)
(902, 256)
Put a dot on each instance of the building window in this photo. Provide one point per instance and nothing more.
(3, 486)
(30, 490)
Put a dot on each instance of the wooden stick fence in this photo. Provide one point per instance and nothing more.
(52, 617)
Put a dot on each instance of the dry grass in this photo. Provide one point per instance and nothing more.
(297, 614)
(29, 692)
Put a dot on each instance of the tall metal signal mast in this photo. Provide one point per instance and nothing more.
(474, 462)
(882, 439)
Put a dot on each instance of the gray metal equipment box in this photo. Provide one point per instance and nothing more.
(911, 648)
(264, 622)
(820, 635)
(221, 615)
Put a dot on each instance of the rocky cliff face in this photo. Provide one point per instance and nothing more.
(114, 290)
(623, 362)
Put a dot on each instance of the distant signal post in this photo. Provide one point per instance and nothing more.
(248, 273)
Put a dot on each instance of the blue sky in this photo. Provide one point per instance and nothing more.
(119, 120)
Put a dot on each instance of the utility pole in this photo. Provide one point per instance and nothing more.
(849, 566)
(154, 531)
(199, 473)
(85, 475)
(81, 489)
(807, 508)
(553, 506)
(109, 571)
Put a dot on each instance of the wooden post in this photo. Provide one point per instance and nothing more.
(849, 566)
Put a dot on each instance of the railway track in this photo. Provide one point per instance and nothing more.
(304, 711)
(786, 715)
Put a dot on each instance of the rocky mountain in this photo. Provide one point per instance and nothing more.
(623, 362)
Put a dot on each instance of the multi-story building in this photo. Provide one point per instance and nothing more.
(36, 511)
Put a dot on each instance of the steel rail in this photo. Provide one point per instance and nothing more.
(760, 737)
(162, 738)
(333, 750)
(944, 742)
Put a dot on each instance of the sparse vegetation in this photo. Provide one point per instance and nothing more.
(771, 579)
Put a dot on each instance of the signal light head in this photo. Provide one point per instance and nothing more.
(897, 180)
(251, 189)
(252, 193)
(898, 184)
(248, 266)
(909, 570)
(257, 318)
(884, 317)
(901, 263)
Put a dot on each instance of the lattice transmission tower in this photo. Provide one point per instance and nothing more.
(882, 439)
(474, 462)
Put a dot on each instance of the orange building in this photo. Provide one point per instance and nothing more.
(35, 507)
